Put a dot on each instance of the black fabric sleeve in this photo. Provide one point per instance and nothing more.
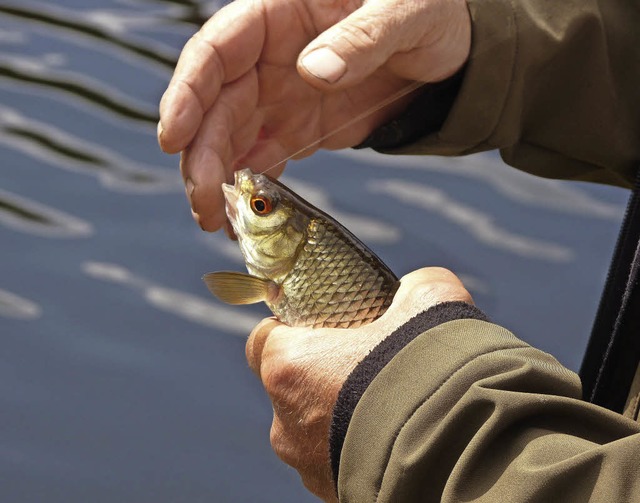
(425, 115)
(374, 362)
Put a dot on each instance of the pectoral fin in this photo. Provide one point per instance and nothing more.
(240, 288)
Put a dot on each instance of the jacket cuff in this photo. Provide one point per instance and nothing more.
(358, 381)
(473, 92)
(414, 123)
(448, 410)
(483, 94)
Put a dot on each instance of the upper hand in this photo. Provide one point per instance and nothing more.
(304, 369)
(243, 94)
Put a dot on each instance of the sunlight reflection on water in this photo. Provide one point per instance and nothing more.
(121, 379)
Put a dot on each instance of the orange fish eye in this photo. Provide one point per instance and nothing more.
(261, 205)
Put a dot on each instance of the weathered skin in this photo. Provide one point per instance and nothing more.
(325, 276)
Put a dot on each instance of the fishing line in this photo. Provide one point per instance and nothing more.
(387, 101)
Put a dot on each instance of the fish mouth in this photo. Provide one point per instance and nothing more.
(232, 195)
(231, 201)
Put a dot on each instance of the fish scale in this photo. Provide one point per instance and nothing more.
(303, 264)
(363, 294)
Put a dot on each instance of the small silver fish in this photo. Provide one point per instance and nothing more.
(303, 264)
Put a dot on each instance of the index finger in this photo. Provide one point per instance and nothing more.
(226, 47)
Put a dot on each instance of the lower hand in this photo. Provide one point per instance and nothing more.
(304, 369)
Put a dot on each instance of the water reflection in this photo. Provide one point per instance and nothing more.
(523, 190)
(32, 217)
(188, 306)
(473, 220)
(94, 93)
(66, 151)
(57, 18)
(14, 306)
(366, 228)
(129, 382)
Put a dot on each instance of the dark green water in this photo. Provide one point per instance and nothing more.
(121, 380)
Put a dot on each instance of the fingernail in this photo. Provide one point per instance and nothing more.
(196, 217)
(160, 131)
(324, 64)
(189, 186)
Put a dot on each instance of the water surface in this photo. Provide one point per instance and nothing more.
(121, 379)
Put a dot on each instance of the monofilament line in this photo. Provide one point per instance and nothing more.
(387, 101)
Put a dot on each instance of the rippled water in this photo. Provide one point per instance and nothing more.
(121, 379)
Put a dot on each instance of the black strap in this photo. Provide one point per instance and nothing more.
(613, 352)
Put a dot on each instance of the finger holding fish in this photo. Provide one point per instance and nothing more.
(203, 186)
(220, 122)
(418, 291)
(303, 370)
(229, 137)
(219, 53)
(233, 136)
(208, 161)
(286, 242)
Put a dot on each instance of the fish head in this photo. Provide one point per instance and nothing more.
(267, 221)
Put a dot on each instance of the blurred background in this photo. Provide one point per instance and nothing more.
(121, 379)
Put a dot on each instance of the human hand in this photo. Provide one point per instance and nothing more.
(263, 79)
(304, 369)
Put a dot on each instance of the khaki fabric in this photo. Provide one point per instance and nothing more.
(467, 412)
(632, 407)
(560, 97)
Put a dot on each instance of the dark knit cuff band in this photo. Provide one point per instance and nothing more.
(358, 381)
(424, 116)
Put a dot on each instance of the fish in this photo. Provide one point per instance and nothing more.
(307, 267)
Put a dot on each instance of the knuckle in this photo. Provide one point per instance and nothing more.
(279, 443)
(257, 341)
(278, 377)
(361, 34)
(251, 354)
(441, 271)
(427, 293)
(208, 52)
(423, 293)
(189, 88)
(253, 349)
(443, 287)
(275, 434)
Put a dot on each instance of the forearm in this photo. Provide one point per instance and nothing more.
(467, 411)
(367, 370)
(552, 85)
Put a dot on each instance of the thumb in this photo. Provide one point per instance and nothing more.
(422, 289)
(354, 48)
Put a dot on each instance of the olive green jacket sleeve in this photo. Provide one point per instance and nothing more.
(468, 412)
(553, 85)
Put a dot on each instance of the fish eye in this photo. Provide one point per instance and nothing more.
(261, 205)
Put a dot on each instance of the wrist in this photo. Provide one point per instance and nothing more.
(413, 123)
(365, 372)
